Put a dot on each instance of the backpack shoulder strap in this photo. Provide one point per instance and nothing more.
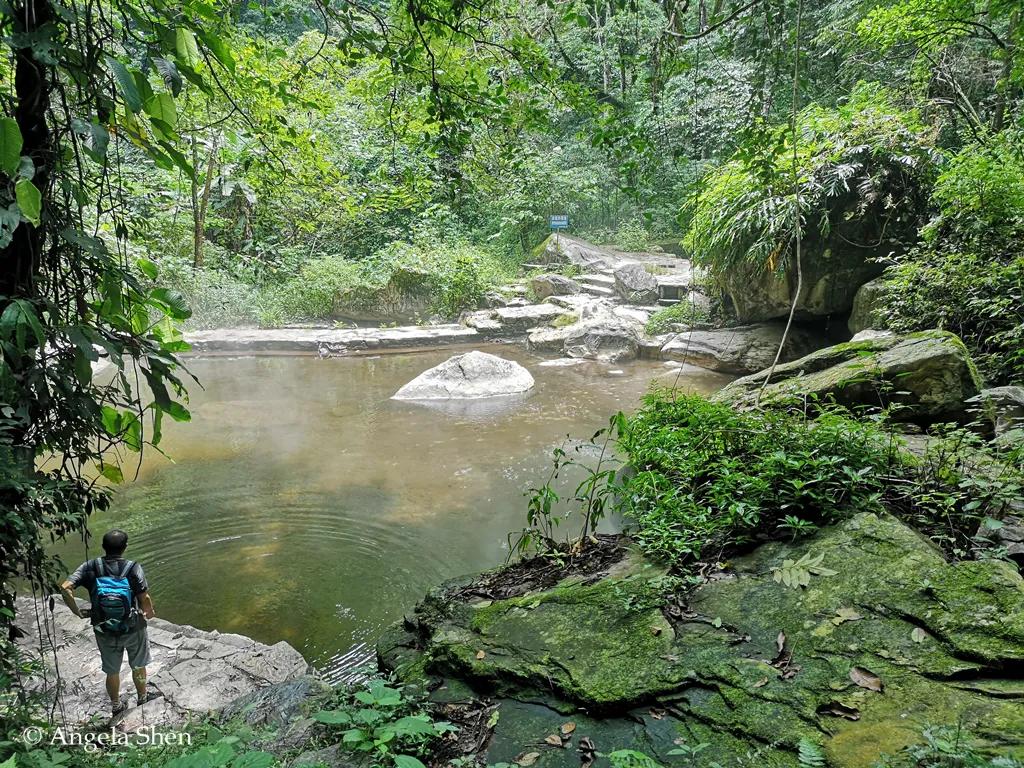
(100, 567)
(126, 572)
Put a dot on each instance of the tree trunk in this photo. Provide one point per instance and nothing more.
(201, 204)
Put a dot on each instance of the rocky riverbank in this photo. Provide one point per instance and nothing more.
(881, 640)
(193, 671)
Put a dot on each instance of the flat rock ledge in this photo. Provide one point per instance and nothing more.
(195, 672)
(469, 376)
(326, 342)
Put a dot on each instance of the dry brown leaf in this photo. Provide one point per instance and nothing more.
(836, 709)
(568, 728)
(846, 614)
(761, 683)
(780, 642)
(865, 678)
(554, 740)
(655, 630)
(480, 654)
(527, 758)
(657, 714)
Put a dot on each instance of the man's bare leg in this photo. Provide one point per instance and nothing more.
(139, 678)
(114, 691)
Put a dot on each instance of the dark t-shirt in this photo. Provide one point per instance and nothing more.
(86, 574)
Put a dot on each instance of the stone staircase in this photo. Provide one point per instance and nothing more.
(600, 283)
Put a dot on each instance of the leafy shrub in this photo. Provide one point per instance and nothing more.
(632, 235)
(383, 720)
(967, 276)
(866, 159)
(683, 313)
(310, 295)
(709, 478)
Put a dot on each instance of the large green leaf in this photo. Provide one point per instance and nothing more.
(30, 200)
(10, 146)
(126, 84)
(220, 50)
(186, 47)
(161, 107)
(171, 302)
(407, 761)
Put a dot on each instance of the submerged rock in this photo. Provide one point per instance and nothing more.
(744, 349)
(929, 375)
(471, 375)
(886, 639)
(194, 671)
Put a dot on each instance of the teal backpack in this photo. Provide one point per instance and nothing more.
(113, 604)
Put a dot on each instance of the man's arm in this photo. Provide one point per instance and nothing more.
(147, 605)
(67, 591)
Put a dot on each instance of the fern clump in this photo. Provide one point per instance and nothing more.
(866, 160)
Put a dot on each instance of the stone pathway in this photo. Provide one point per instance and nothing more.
(326, 342)
(194, 671)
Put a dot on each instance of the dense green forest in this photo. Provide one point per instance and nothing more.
(173, 166)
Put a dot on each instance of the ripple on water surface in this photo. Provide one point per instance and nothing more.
(305, 505)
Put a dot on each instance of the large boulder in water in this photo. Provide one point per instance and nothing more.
(635, 284)
(470, 375)
(929, 375)
(599, 335)
(740, 350)
(882, 639)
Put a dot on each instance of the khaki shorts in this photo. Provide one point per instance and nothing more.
(113, 648)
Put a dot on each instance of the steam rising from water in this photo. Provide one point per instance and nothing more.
(305, 505)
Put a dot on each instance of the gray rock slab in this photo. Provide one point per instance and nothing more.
(194, 671)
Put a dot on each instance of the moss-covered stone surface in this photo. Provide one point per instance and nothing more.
(930, 374)
(884, 639)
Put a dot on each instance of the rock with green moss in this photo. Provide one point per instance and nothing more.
(855, 639)
(929, 375)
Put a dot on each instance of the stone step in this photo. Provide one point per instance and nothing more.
(668, 302)
(597, 290)
(597, 278)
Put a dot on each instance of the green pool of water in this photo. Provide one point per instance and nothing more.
(303, 504)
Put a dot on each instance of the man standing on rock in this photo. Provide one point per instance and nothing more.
(120, 605)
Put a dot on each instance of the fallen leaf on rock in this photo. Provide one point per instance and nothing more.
(588, 752)
(655, 630)
(780, 642)
(837, 709)
(657, 714)
(480, 654)
(846, 614)
(761, 683)
(865, 678)
(568, 728)
(790, 672)
(527, 758)
(918, 635)
(554, 740)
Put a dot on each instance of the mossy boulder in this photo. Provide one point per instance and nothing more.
(929, 375)
(885, 638)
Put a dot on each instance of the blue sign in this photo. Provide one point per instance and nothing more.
(560, 221)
